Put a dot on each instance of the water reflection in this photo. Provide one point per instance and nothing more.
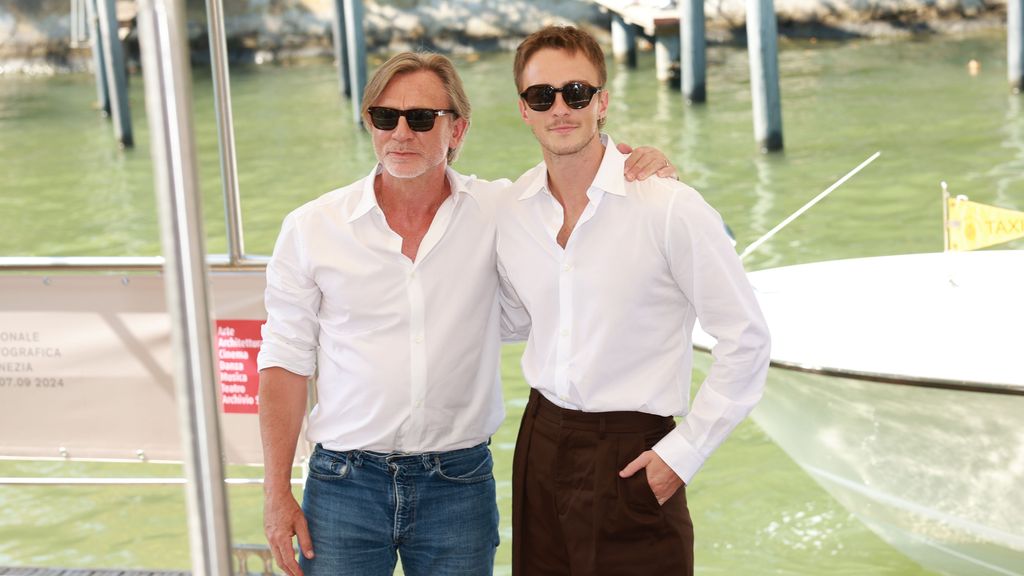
(763, 210)
(1009, 174)
(693, 170)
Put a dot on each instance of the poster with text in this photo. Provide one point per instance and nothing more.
(238, 344)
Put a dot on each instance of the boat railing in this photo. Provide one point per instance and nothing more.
(216, 262)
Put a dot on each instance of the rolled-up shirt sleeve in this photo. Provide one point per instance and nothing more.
(707, 270)
(292, 299)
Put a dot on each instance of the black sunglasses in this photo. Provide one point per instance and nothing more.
(419, 119)
(577, 95)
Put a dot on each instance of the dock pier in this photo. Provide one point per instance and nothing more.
(350, 52)
(680, 60)
(111, 75)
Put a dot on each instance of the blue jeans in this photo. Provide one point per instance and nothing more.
(437, 510)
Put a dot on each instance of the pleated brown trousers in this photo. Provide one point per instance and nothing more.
(572, 515)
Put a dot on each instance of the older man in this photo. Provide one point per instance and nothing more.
(613, 275)
(388, 289)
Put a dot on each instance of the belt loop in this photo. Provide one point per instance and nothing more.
(602, 426)
(536, 397)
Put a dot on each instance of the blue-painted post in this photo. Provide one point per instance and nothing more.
(693, 59)
(762, 48)
(1015, 44)
(356, 55)
(341, 47)
(623, 41)
(99, 66)
(117, 79)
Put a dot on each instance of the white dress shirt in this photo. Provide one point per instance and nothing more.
(613, 312)
(407, 352)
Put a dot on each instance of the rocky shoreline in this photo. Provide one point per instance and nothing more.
(35, 34)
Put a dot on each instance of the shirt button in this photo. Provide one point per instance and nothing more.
(566, 268)
(563, 397)
(412, 274)
(418, 339)
(565, 332)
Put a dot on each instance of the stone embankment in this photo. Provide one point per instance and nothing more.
(35, 35)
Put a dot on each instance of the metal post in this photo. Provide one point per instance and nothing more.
(99, 66)
(694, 61)
(225, 129)
(762, 47)
(623, 41)
(666, 55)
(168, 104)
(356, 55)
(341, 47)
(117, 79)
(1015, 44)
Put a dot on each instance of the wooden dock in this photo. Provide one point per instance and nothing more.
(660, 24)
(679, 54)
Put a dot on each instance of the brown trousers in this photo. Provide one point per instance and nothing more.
(572, 515)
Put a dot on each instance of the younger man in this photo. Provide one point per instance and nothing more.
(613, 275)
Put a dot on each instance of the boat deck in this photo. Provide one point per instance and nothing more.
(249, 560)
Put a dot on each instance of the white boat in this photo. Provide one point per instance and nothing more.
(898, 385)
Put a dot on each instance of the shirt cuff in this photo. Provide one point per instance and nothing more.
(680, 456)
(269, 357)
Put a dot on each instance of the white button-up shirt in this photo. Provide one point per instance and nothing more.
(407, 352)
(613, 312)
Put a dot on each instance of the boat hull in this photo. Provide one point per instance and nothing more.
(936, 473)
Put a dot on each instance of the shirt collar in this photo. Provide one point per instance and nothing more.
(609, 177)
(368, 199)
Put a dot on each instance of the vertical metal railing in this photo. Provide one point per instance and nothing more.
(165, 65)
(225, 130)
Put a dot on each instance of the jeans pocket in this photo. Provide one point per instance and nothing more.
(466, 467)
(328, 465)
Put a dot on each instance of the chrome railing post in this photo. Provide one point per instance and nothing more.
(225, 129)
(165, 65)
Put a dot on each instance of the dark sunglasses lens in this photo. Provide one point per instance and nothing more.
(420, 120)
(577, 94)
(540, 98)
(384, 118)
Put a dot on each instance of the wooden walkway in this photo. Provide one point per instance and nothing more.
(646, 17)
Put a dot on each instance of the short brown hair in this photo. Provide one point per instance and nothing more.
(409, 62)
(568, 38)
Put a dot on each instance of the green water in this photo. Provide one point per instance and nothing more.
(65, 189)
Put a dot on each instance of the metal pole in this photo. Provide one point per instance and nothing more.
(694, 61)
(117, 79)
(168, 104)
(99, 66)
(762, 47)
(945, 216)
(1015, 44)
(341, 47)
(623, 41)
(225, 130)
(356, 55)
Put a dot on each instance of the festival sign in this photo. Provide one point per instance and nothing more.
(238, 345)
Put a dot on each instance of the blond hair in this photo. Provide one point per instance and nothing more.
(409, 62)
